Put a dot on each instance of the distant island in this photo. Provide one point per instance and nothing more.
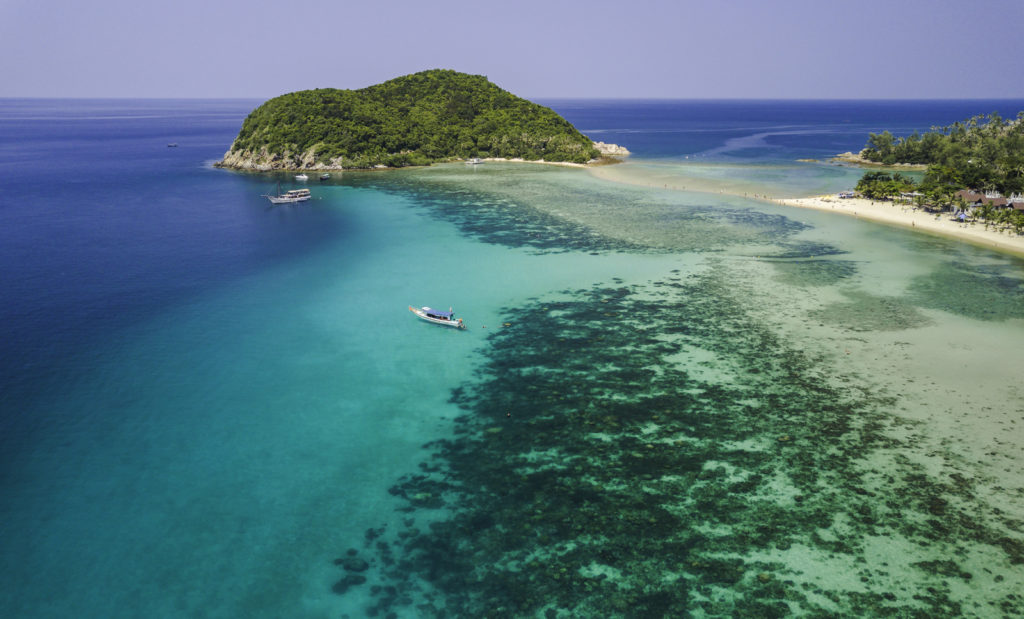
(418, 119)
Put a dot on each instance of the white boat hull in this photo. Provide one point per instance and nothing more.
(455, 322)
(282, 200)
(289, 197)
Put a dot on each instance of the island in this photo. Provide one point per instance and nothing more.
(419, 119)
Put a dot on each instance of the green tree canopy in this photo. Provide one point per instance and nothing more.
(982, 153)
(412, 120)
(882, 185)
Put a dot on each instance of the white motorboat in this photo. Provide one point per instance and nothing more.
(438, 317)
(301, 177)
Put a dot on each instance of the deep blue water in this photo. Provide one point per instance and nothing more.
(770, 130)
(95, 217)
(204, 400)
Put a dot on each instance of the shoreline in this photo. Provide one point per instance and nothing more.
(603, 161)
(857, 160)
(596, 163)
(904, 216)
(907, 216)
(609, 154)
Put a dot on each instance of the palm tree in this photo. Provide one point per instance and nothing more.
(919, 201)
(985, 210)
(1002, 217)
(946, 199)
(1017, 220)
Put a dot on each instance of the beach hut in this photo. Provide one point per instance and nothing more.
(970, 197)
(996, 200)
(909, 197)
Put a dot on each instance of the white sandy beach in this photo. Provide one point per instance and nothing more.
(909, 217)
(521, 160)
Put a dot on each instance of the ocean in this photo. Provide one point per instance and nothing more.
(673, 398)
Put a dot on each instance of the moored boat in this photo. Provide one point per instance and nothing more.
(290, 196)
(438, 317)
(474, 161)
(325, 176)
(301, 177)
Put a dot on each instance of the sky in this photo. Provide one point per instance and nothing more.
(685, 49)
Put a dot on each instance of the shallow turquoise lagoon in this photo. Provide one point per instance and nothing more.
(668, 402)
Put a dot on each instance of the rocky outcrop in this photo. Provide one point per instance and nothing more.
(265, 161)
(859, 160)
(611, 150)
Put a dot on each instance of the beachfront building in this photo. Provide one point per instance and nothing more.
(909, 197)
(976, 199)
(1016, 202)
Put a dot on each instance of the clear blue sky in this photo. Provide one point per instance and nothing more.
(594, 48)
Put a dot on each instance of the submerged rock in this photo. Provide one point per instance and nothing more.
(352, 564)
(346, 583)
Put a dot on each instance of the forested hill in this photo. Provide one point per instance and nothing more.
(412, 120)
(983, 153)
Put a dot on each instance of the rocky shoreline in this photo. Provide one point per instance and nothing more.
(611, 150)
(859, 160)
(265, 161)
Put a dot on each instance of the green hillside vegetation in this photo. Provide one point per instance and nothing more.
(417, 119)
(985, 153)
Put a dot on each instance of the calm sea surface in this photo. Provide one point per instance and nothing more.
(672, 399)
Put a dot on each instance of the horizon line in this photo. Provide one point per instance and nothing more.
(531, 97)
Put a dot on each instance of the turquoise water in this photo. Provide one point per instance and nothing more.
(667, 402)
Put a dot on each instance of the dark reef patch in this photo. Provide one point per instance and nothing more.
(866, 312)
(791, 250)
(814, 272)
(501, 207)
(593, 473)
(984, 292)
(492, 218)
